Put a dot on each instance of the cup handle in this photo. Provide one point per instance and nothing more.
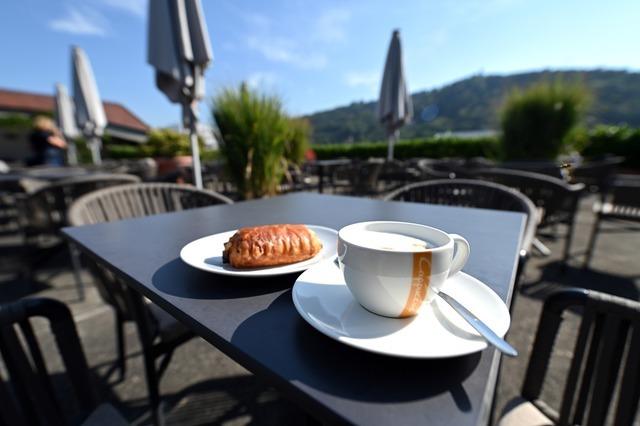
(460, 255)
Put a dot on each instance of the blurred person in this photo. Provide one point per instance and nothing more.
(47, 143)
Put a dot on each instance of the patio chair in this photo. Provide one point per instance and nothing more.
(28, 395)
(604, 364)
(596, 175)
(160, 334)
(474, 193)
(620, 203)
(43, 212)
(548, 168)
(396, 174)
(363, 176)
(556, 200)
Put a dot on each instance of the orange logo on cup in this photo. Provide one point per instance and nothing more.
(419, 283)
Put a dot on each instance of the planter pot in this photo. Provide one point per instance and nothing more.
(168, 165)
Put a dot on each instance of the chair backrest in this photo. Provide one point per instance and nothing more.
(605, 362)
(622, 197)
(471, 193)
(364, 176)
(547, 168)
(130, 201)
(27, 395)
(596, 175)
(45, 210)
(557, 199)
(138, 200)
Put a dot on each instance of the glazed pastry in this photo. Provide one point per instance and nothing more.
(270, 245)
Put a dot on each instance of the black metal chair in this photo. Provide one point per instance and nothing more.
(556, 200)
(548, 168)
(28, 395)
(396, 174)
(474, 193)
(43, 212)
(596, 175)
(620, 203)
(160, 334)
(605, 363)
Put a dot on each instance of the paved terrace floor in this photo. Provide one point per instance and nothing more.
(203, 386)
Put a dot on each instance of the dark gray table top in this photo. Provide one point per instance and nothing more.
(255, 323)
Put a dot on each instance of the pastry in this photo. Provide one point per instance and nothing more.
(270, 245)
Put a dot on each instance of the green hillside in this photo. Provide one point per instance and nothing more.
(474, 104)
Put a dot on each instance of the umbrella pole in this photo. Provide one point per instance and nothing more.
(94, 145)
(393, 137)
(195, 149)
(72, 153)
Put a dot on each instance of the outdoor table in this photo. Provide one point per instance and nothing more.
(255, 323)
(326, 165)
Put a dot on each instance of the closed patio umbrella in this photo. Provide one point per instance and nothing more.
(180, 51)
(395, 108)
(89, 111)
(66, 121)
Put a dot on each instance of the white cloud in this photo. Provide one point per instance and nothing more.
(76, 21)
(277, 49)
(366, 79)
(331, 26)
(261, 79)
(134, 7)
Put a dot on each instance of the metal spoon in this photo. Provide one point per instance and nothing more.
(479, 326)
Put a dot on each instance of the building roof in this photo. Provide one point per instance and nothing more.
(117, 114)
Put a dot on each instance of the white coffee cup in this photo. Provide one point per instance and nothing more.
(391, 271)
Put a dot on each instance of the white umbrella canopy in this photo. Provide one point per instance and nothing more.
(66, 121)
(395, 107)
(89, 111)
(179, 49)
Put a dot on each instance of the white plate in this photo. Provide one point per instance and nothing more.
(206, 254)
(324, 301)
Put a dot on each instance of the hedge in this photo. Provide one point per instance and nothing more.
(124, 152)
(612, 140)
(430, 147)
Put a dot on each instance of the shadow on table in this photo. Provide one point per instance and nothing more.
(337, 369)
(591, 279)
(179, 279)
(218, 401)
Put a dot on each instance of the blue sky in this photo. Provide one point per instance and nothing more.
(316, 54)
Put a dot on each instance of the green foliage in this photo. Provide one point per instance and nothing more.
(429, 147)
(83, 151)
(123, 152)
(297, 141)
(536, 122)
(254, 129)
(474, 103)
(15, 122)
(620, 141)
(167, 143)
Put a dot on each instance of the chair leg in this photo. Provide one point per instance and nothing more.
(538, 245)
(153, 388)
(567, 245)
(592, 242)
(121, 346)
(75, 263)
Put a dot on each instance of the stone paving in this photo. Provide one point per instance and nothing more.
(203, 386)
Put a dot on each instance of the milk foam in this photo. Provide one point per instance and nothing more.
(388, 241)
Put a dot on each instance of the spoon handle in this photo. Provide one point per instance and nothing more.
(480, 327)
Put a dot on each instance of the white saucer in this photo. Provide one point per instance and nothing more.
(206, 254)
(322, 298)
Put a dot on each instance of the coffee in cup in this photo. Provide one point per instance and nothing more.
(391, 268)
